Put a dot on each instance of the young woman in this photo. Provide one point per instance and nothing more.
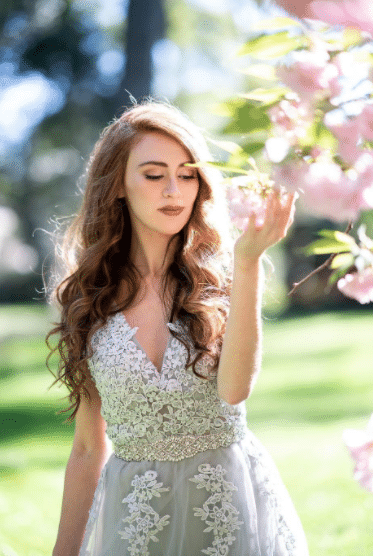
(160, 344)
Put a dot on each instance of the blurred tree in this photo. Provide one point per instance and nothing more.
(63, 47)
(146, 25)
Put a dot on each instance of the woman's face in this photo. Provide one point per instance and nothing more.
(156, 177)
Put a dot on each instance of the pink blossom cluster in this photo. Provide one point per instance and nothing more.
(351, 13)
(290, 118)
(338, 192)
(358, 285)
(360, 445)
(312, 74)
(327, 191)
(335, 177)
(352, 132)
(243, 202)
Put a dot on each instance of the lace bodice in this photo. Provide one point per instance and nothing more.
(159, 416)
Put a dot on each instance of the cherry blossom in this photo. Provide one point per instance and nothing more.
(365, 120)
(360, 445)
(291, 118)
(290, 175)
(310, 73)
(351, 132)
(351, 13)
(243, 201)
(326, 191)
(358, 285)
(330, 193)
(348, 134)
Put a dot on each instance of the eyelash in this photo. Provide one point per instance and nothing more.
(161, 176)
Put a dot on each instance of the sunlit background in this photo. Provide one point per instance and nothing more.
(63, 61)
(66, 69)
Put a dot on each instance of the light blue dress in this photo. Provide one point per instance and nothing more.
(186, 477)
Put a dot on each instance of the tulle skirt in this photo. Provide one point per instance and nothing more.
(227, 501)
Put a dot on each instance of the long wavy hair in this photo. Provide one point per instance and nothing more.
(95, 248)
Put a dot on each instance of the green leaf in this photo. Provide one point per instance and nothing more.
(275, 23)
(261, 71)
(221, 165)
(267, 47)
(266, 96)
(248, 118)
(241, 159)
(253, 147)
(337, 274)
(325, 246)
(338, 236)
(227, 108)
(342, 260)
(318, 133)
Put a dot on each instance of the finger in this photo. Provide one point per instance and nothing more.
(290, 219)
(272, 205)
(251, 222)
(289, 208)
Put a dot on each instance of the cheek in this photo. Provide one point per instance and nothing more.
(192, 192)
(140, 194)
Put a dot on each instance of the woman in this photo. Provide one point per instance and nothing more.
(149, 295)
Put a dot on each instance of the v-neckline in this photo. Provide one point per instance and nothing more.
(135, 340)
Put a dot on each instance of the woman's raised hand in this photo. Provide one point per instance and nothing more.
(278, 218)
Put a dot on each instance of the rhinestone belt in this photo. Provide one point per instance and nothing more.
(176, 448)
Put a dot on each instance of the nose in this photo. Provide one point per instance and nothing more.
(172, 188)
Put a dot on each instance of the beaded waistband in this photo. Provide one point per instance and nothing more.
(176, 448)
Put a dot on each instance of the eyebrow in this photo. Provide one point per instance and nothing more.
(163, 164)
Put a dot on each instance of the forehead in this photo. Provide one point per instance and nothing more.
(159, 147)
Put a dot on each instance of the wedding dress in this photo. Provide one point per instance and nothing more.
(186, 476)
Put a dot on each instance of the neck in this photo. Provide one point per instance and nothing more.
(148, 253)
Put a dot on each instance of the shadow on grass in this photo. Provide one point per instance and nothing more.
(323, 402)
(28, 421)
(7, 372)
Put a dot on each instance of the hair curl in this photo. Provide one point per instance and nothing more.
(96, 245)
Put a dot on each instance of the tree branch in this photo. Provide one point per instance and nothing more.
(325, 264)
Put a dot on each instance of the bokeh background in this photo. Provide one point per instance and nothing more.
(66, 69)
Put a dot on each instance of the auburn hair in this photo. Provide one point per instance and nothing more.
(94, 251)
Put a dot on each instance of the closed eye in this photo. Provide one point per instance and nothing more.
(153, 177)
(186, 177)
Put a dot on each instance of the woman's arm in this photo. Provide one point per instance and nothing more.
(89, 454)
(241, 352)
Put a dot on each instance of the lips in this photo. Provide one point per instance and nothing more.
(173, 211)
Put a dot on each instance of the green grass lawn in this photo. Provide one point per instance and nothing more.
(316, 381)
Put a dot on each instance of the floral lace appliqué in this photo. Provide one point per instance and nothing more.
(217, 512)
(145, 410)
(144, 521)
